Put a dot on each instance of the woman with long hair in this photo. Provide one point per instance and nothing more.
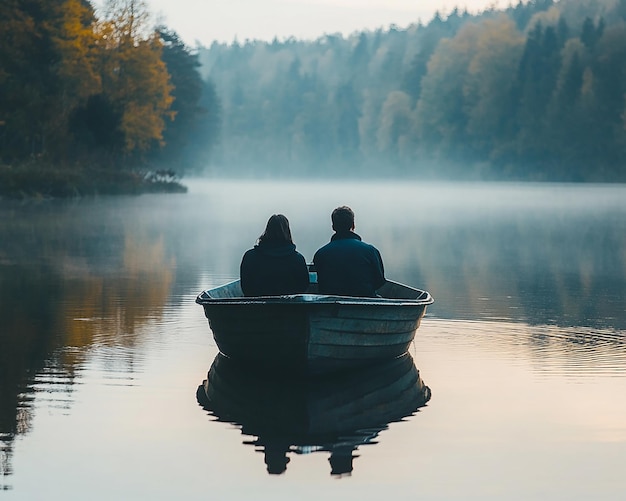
(273, 267)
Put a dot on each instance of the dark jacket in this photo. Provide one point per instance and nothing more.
(273, 270)
(346, 266)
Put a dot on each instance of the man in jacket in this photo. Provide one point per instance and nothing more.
(347, 266)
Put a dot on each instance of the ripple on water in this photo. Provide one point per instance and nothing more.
(550, 349)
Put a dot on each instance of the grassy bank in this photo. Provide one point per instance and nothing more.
(28, 181)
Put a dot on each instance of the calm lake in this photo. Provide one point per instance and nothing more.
(102, 347)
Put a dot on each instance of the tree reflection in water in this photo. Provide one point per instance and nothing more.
(334, 414)
(58, 302)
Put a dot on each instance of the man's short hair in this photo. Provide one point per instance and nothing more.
(342, 218)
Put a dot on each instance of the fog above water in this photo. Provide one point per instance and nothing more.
(538, 253)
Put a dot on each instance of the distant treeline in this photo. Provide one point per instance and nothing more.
(82, 92)
(535, 91)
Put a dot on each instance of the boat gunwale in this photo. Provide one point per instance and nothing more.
(424, 299)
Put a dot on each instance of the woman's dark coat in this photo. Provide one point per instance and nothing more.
(273, 270)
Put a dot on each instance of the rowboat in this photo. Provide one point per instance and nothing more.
(335, 413)
(313, 333)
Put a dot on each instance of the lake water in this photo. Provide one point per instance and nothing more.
(102, 347)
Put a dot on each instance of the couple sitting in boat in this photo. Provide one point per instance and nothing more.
(346, 266)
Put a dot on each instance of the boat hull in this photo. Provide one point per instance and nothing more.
(313, 333)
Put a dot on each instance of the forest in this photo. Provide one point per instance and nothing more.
(97, 104)
(535, 91)
(105, 101)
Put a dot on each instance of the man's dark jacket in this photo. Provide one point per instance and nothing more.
(273, 270)
(346, 266)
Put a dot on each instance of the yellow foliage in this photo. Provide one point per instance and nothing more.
(76, 42)
(134, 74)
(488, 83)
(108, 311)
(149, 96)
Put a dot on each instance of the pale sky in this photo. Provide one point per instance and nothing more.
(207, 20)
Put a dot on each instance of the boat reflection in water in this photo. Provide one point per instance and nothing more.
(333, 414)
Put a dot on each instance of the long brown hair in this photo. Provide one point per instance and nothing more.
(277, 231)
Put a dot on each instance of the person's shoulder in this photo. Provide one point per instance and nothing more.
(250, 253)
(374, 249)
(324, 247)
(367, 247)
(360, 243)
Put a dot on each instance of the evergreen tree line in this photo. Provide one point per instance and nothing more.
(534, 91)
(112, 92)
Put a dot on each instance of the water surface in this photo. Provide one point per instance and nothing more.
(102, 347)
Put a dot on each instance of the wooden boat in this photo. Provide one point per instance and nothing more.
(334, 413)
(314, 333)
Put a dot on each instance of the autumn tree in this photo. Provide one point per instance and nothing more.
(487, 88)
(430, 37)
(76, 68)
(135, 80)
(441, 110)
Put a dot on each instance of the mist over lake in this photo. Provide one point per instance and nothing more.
(102, 347)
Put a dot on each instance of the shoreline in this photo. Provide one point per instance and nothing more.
(35, 181)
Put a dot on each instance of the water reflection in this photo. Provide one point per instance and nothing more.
(26, 342)
(335, 414)
(558, 265)
(69, 284)
(528, 275)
